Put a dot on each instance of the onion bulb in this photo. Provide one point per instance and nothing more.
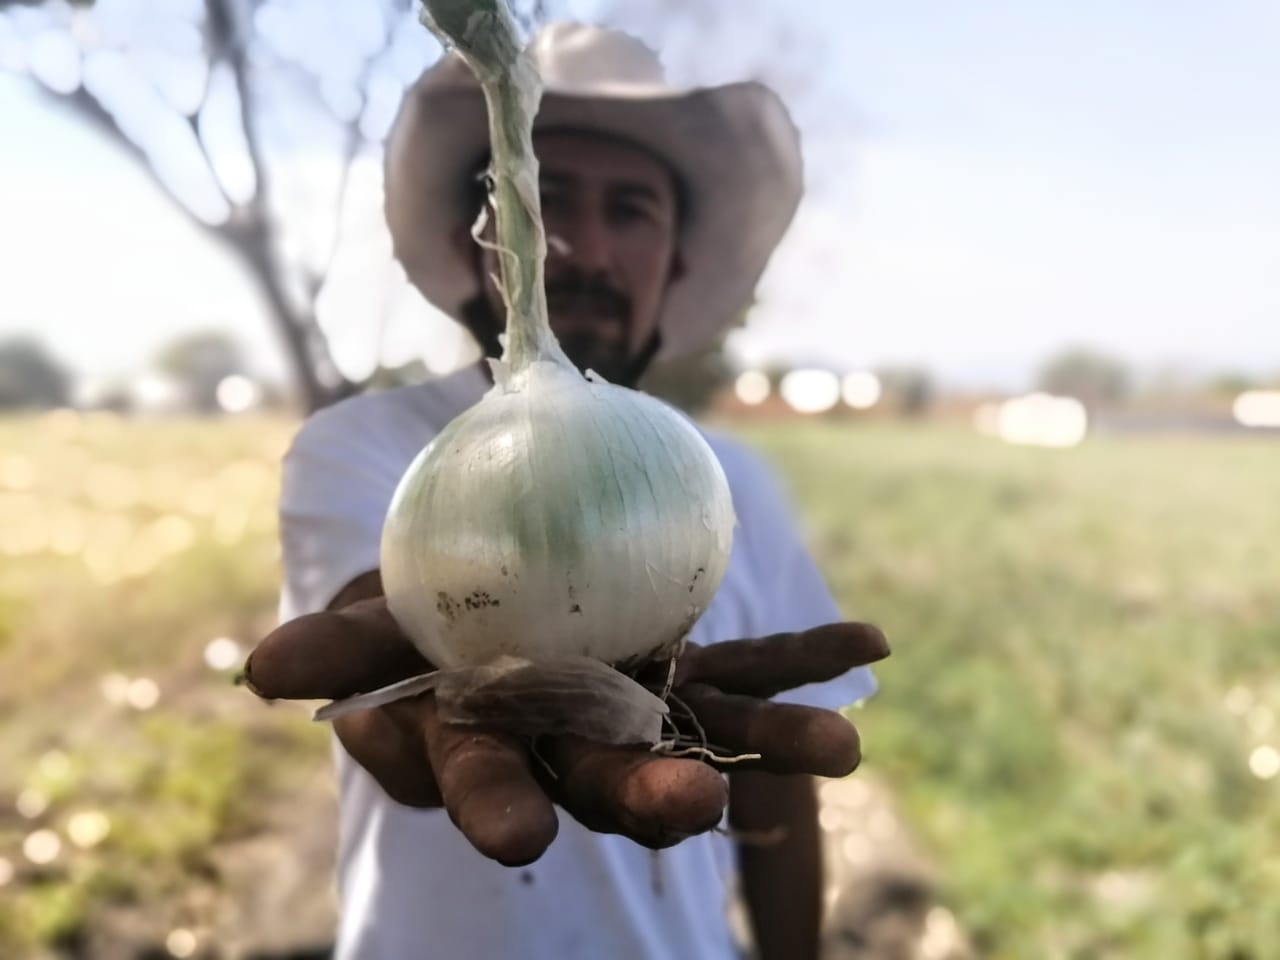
(559, 515)
(564, 531)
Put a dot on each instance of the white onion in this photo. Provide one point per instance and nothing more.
(559, 516)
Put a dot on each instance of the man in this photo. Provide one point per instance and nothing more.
(662, 208)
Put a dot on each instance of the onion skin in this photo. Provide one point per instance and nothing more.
(559, 516)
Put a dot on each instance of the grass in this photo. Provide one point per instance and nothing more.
(1084, 665)
(126, 549)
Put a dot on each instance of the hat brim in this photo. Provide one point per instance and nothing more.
(734, 147)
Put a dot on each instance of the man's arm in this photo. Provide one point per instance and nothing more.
(781, 861)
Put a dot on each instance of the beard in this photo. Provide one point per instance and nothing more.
(591, 320)
(609, 358)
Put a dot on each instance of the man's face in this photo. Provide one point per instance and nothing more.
(611, 218)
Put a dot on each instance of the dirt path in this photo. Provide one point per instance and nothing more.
(881, 892)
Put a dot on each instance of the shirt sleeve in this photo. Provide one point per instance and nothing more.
(802, 601)
(337, 483)
(794, 596)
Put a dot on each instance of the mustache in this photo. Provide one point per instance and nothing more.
(594, 291)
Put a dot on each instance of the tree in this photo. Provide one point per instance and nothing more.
(30, 377)
(219, 99)
(908, 390)
(1093, 377)
(1231, 383)
(199, 362)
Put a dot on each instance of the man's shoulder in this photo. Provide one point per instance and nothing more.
(391, 417)
(747, 471)
(761, 499)
(368, 411)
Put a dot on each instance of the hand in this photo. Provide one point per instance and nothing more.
(500, 793)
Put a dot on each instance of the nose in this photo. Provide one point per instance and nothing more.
(584, 242)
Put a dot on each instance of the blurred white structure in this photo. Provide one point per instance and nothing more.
(151, 393)
(810, 391)
(237, 394)
(986, 419)
(155, 393)
(1037, 419)
(861, 389)
(752, 388)
(1257, 408)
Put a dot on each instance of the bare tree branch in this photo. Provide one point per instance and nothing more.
(250, 232)
(251, 228)
(88, 109)
(351, 141)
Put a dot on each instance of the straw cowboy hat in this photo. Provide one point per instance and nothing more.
(734, 148)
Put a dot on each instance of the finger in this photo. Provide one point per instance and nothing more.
(656, 801)
(486, 784)
(769, 665)
(333, 655)
(789, 738)
(393, 757)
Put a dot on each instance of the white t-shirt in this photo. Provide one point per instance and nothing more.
(411, 886)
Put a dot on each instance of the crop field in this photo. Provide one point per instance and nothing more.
(1078, 721)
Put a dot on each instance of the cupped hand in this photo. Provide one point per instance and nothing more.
(500, 788)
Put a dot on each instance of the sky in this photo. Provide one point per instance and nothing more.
(1011, 178)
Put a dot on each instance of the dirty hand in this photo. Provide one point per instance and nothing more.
(501, 796)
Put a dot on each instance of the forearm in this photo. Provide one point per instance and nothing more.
(782, 869)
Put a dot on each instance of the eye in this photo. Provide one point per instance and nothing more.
(629, 211)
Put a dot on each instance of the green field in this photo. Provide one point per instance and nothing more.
(1078, 718)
